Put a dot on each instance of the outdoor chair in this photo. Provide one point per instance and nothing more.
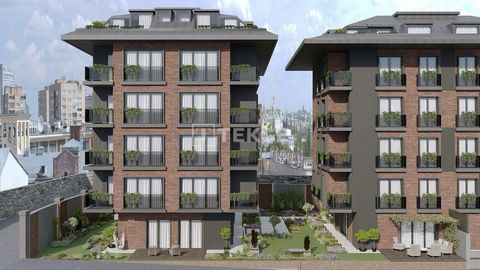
(153, 251)
(175, 251)
(397, 245)
(445, 247)
(414, 251)
(434, 251)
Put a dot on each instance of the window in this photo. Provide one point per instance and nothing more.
(389, 63)
(230, 22)
(203, 20)
(390, 112)
(191, 234)
(428, 112)
(427, 65)
(419, 29)
(390, 153)
(389, 71)
(352, 31)
(390, 186)
(150, 190)
(467, 153)
(206, 150)
(205, 64)
(150, 62)
(468, 194)
(428, 145)
(206, 108)
(119, 22)
(466, 29)
(150, 105)
(467, 104)
(158, 233)
(467, 186)
(428, 104)
(390, 104)
(206, 192)
(183, 16)
(390, 145)
(145, 20)
(164, 16)
(149, 150)
(419, 233)
(467, 112)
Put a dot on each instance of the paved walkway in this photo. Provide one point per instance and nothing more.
(281, 228)
(265, 225)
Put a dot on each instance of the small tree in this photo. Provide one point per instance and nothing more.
(374, 235)
(71, 224)
(254, 240)
(226, 234)
(306, 243)
(362, 237)
(307, 207)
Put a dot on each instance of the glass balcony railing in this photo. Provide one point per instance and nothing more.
(429, 161)
(468, 160)
(423, 80)
(427, 120)
(99, 158)
(199, 116)
(338, 78)
(105, 73)
(143, 116)
(391, 201)
(135, 73)
(201, 201)
(429, 203)
(243, 74)
(243, 201)
(468, 119)
(199, 74)
(243, 158)
(95, 199)
(468, 79)
(467, 201)
(340, 201)
(96, 116)
(338, 119)
(336, 160)
(147, 201)
(391, 120)
(199, 159)
(391, 161)
(392, 79)
(243, 116)
(144, 159)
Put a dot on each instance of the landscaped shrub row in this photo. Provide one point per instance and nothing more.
(287, 200)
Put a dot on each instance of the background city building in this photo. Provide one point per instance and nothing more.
(14, 100)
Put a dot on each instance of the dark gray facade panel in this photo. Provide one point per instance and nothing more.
(243, 93)
(100, 180)
(244, 55)
(448, 65)
(100, 96)
(448, 149)
(100, 138)
(101, 53)
(212, 224)
(363, 138)
(239, 177)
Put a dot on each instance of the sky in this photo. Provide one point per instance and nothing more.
(30, 43)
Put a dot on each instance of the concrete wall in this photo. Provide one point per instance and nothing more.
(45, 226)
(40, 194)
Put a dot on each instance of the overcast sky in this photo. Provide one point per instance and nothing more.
(31, 46)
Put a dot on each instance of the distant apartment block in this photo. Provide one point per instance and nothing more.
(14, 100)
(63, 101)
(7, 78)
(14, 132)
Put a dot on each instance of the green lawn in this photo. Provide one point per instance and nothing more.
(362, 257)
(75, 247)
(274, 245)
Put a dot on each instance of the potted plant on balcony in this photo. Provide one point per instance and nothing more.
(188, 156)
(393, 199)
(101, 113)
(132, 115)
(429, 199)
(468, 159)
(469, 200)
(234, 197)
(393, 159)
(187, 72)
(430, 76)
(100, 157)
(469, 77)
(469, 118)
(132, 72)
(226, 234)
(342, 78)
(374, 235)
(132, 199)
(100, 198)
(346, 199)
(346, 159)
(132, 157)
(392, 76)
(101, 72)
(392, 118)
(239, 114)
(429, 159)
(363, 238)
(429, 119)
(188, 114)
(243, 197)
(188, 199)
(238, 70)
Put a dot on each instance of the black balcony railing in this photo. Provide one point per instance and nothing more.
(199, 116)
(468, 160)
(250, 203)
(147, 201)
(432, 203)
(93, 116)
(93, 201)
(243, 158)
(391, 162)
(143, 116)
(201, 159)
(389, 203)
(99, 158)
(95, 75)
(423, 81)
(150, 158)
(385, 81)
(338, 78)
(426, 121)
(200, 74)
(473, 202)
(202, 201)
(336, 160)
(244, 116)
(341, 119)
(467, 81)
(245, 74)
(427, 161)
(468, 120)
(145, 74)
(391, 121)
(340, 201)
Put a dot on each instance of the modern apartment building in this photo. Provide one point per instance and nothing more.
(7, 78)
(396, 100)
(14, 100)
(63, 101)
(174, 102)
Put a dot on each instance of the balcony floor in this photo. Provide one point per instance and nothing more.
(186, 254)
(401, 256)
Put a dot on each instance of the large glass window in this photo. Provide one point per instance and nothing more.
(419, 29)
(143, 65)
(143, 150)
(204, 190)
(199, 66)
(150, 191)
(158, 233)
(143, 108)
(199, 108)
(191, 234)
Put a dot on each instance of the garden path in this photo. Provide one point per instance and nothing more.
(265, 225)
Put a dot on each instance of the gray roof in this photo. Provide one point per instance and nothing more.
(32, 163)
(442, 35)
(4, 153)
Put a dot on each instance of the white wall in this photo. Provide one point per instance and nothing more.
(13, 175)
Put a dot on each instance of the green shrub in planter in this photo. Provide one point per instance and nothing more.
(189, 113)
(188, 199)
(468, 158)
(188, 69)
(98, 24)
(100, 196)
(188, 155)
(132, 198)
(101, 110)
(239, 68)
(469, 199)
(100, 153)
(429, 117)
(429, 157)
(429, 198)
(391, 116)
(429, 75)
(132, 70)
(362, 237)
(391, 75)
(469, 75)
(239, 111)
(392, 157)
(374, 235)
(469, 117)
(132, 155)
(101, 68)
(226, 234)
(132, 112)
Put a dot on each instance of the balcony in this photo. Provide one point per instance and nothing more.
(99, 160)
(189, 201)
(136, 202)
(390, 81)
(340, 203)
(429, 121)
(391, 121)
(147, 117)
(97, 202)
(468, 202)
(468, 80)
(468, 121)
(243, 74)
(99, 117)
(140, 160)
(195, 160)
(429, 162)
(194, 75)
(391, 162)
(243, 201)
(194, 116)
(337, 81)
(429, 203)
(243, 116)
(337, 162)
(98, 75)
(138, 75)
(390, 203)
(243, 159)
(339, 121)
(429, 80)
(468, 162)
